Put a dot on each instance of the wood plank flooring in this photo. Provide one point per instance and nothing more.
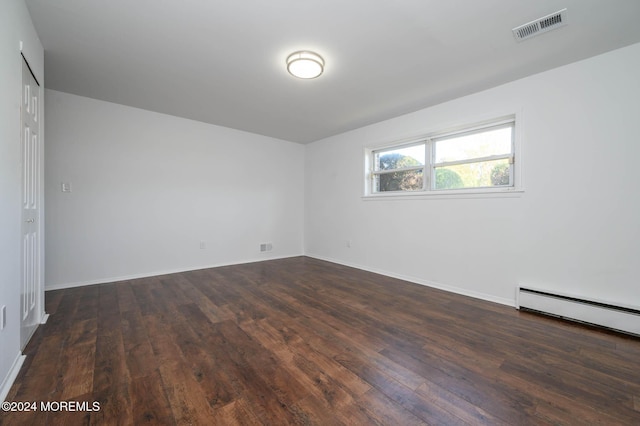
(302, 341)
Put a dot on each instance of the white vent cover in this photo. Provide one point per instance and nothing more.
(542, 25)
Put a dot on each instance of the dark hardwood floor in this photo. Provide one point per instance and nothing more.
(301, 341)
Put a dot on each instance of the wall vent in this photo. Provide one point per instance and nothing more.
(266, 247)
(541, 25)
(621, 318)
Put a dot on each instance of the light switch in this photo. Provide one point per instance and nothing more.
(66, 186)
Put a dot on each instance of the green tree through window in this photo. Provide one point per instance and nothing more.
(448, 179)
(407, 180)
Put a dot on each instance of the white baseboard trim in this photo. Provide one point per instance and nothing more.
(11, 376)
(451, 289)
(159, 273)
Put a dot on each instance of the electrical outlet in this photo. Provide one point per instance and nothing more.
(65, 186)
(203, 245)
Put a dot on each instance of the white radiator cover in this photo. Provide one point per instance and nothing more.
(622, 318)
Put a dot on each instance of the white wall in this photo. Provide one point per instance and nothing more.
(148, 187)
(575, 229)
(15, 26)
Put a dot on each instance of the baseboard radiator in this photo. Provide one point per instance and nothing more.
(619, 318)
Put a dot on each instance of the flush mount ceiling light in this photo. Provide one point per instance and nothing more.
(305, 64)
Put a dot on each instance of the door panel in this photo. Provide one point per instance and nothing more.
(29, 292)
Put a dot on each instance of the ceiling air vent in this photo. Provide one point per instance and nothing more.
(541, 25)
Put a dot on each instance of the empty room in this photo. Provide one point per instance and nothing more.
(318, 212)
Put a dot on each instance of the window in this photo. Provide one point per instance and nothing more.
(399, 169)
(480, 158)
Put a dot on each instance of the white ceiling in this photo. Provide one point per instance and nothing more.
(223, 61)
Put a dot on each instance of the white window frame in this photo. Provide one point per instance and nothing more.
(429, 139)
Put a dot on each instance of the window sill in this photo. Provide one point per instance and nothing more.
(451, 194)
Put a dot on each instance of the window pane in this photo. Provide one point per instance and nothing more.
(474, 175)
(409, 180)
(475, 145)
(399, 158)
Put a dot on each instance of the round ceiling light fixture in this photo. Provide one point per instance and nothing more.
(305, 64)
